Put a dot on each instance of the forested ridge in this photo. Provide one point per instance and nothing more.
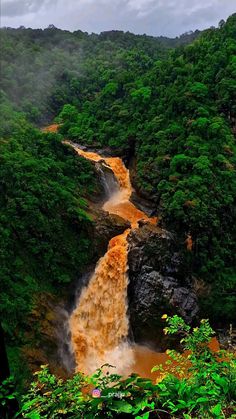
(44, 69)
(168, 107)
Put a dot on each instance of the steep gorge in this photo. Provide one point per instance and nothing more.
(99, 324)
(116, 317)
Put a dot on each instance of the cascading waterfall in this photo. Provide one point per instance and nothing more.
(99, 323)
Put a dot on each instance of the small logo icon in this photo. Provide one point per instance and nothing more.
(96, 393)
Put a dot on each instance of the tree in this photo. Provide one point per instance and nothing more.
(221, 23)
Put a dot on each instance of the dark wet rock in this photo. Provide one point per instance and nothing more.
(107, 181)
(106, 226)
(159, 284)
(47, 328)
(142, 222)
(143, 204)
(227, 338)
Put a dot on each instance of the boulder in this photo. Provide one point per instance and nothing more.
(106, 226)
(159, 283)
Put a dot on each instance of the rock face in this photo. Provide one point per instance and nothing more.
(144, 205)
(106, 226)
(158, 284)
(107, 182)
(47, 329)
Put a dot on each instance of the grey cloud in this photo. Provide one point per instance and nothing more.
(154, 17)
(19, 7)
(10, 8)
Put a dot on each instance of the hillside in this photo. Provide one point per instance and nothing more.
(41, 70)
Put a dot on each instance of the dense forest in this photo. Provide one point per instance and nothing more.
(44, 69)
(168, 107)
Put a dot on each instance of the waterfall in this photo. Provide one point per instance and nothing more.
(99, 323)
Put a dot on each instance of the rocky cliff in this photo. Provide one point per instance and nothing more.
(158, 283)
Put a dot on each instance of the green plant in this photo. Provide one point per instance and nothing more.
(205, 380)
(8, 398)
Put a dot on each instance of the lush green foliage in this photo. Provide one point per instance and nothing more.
(179, 114)
(206, 388)
(8, 398)
(44, 227)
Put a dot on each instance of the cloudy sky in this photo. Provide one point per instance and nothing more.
(153, 17)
